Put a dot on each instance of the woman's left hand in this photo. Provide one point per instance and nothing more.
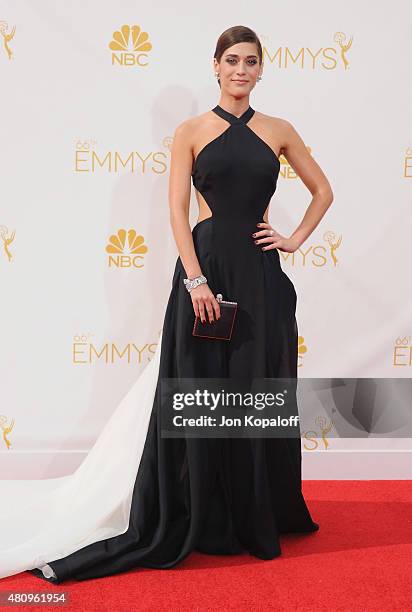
(269, 238)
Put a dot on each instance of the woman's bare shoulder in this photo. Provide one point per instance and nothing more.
(188, 130)
(193, 123)
(274, 121)
(282, 129)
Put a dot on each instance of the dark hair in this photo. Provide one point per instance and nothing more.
(234, 35)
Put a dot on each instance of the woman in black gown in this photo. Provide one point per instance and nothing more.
(221, 495)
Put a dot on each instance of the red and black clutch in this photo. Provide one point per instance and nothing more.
(220, 329)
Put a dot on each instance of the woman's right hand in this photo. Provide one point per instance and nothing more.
(204, 301)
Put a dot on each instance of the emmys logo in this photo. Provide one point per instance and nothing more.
(317, 255)
(87, 159)
(130, 46)
(7, 240)
(344, 47)
(7, 37)
(84, 351)
(122, 255)
(286, 171)
(407, 163)
(402, 352)
(6, 430)
(312, 436)
(168, 142)
(334, 243)
(302, 349)
(326, 58)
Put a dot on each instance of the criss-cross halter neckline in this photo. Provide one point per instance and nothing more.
(244, 117)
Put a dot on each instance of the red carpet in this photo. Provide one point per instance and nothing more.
(360, 559)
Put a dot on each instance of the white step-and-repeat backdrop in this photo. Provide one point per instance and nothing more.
(91, 95)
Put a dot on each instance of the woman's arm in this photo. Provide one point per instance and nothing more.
(311, 174)
(179, 204)
(295, 151)
(179, 197)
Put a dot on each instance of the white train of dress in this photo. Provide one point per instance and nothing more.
(46, 520)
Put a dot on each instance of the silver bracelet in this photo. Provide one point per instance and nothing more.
(191, 283)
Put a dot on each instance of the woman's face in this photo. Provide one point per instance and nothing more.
(238, 68)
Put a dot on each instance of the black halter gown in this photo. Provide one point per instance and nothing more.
(218, 496)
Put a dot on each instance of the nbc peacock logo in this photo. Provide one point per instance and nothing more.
(130, 46)
(126, 249)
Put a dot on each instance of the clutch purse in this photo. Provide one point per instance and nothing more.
(220, 329)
